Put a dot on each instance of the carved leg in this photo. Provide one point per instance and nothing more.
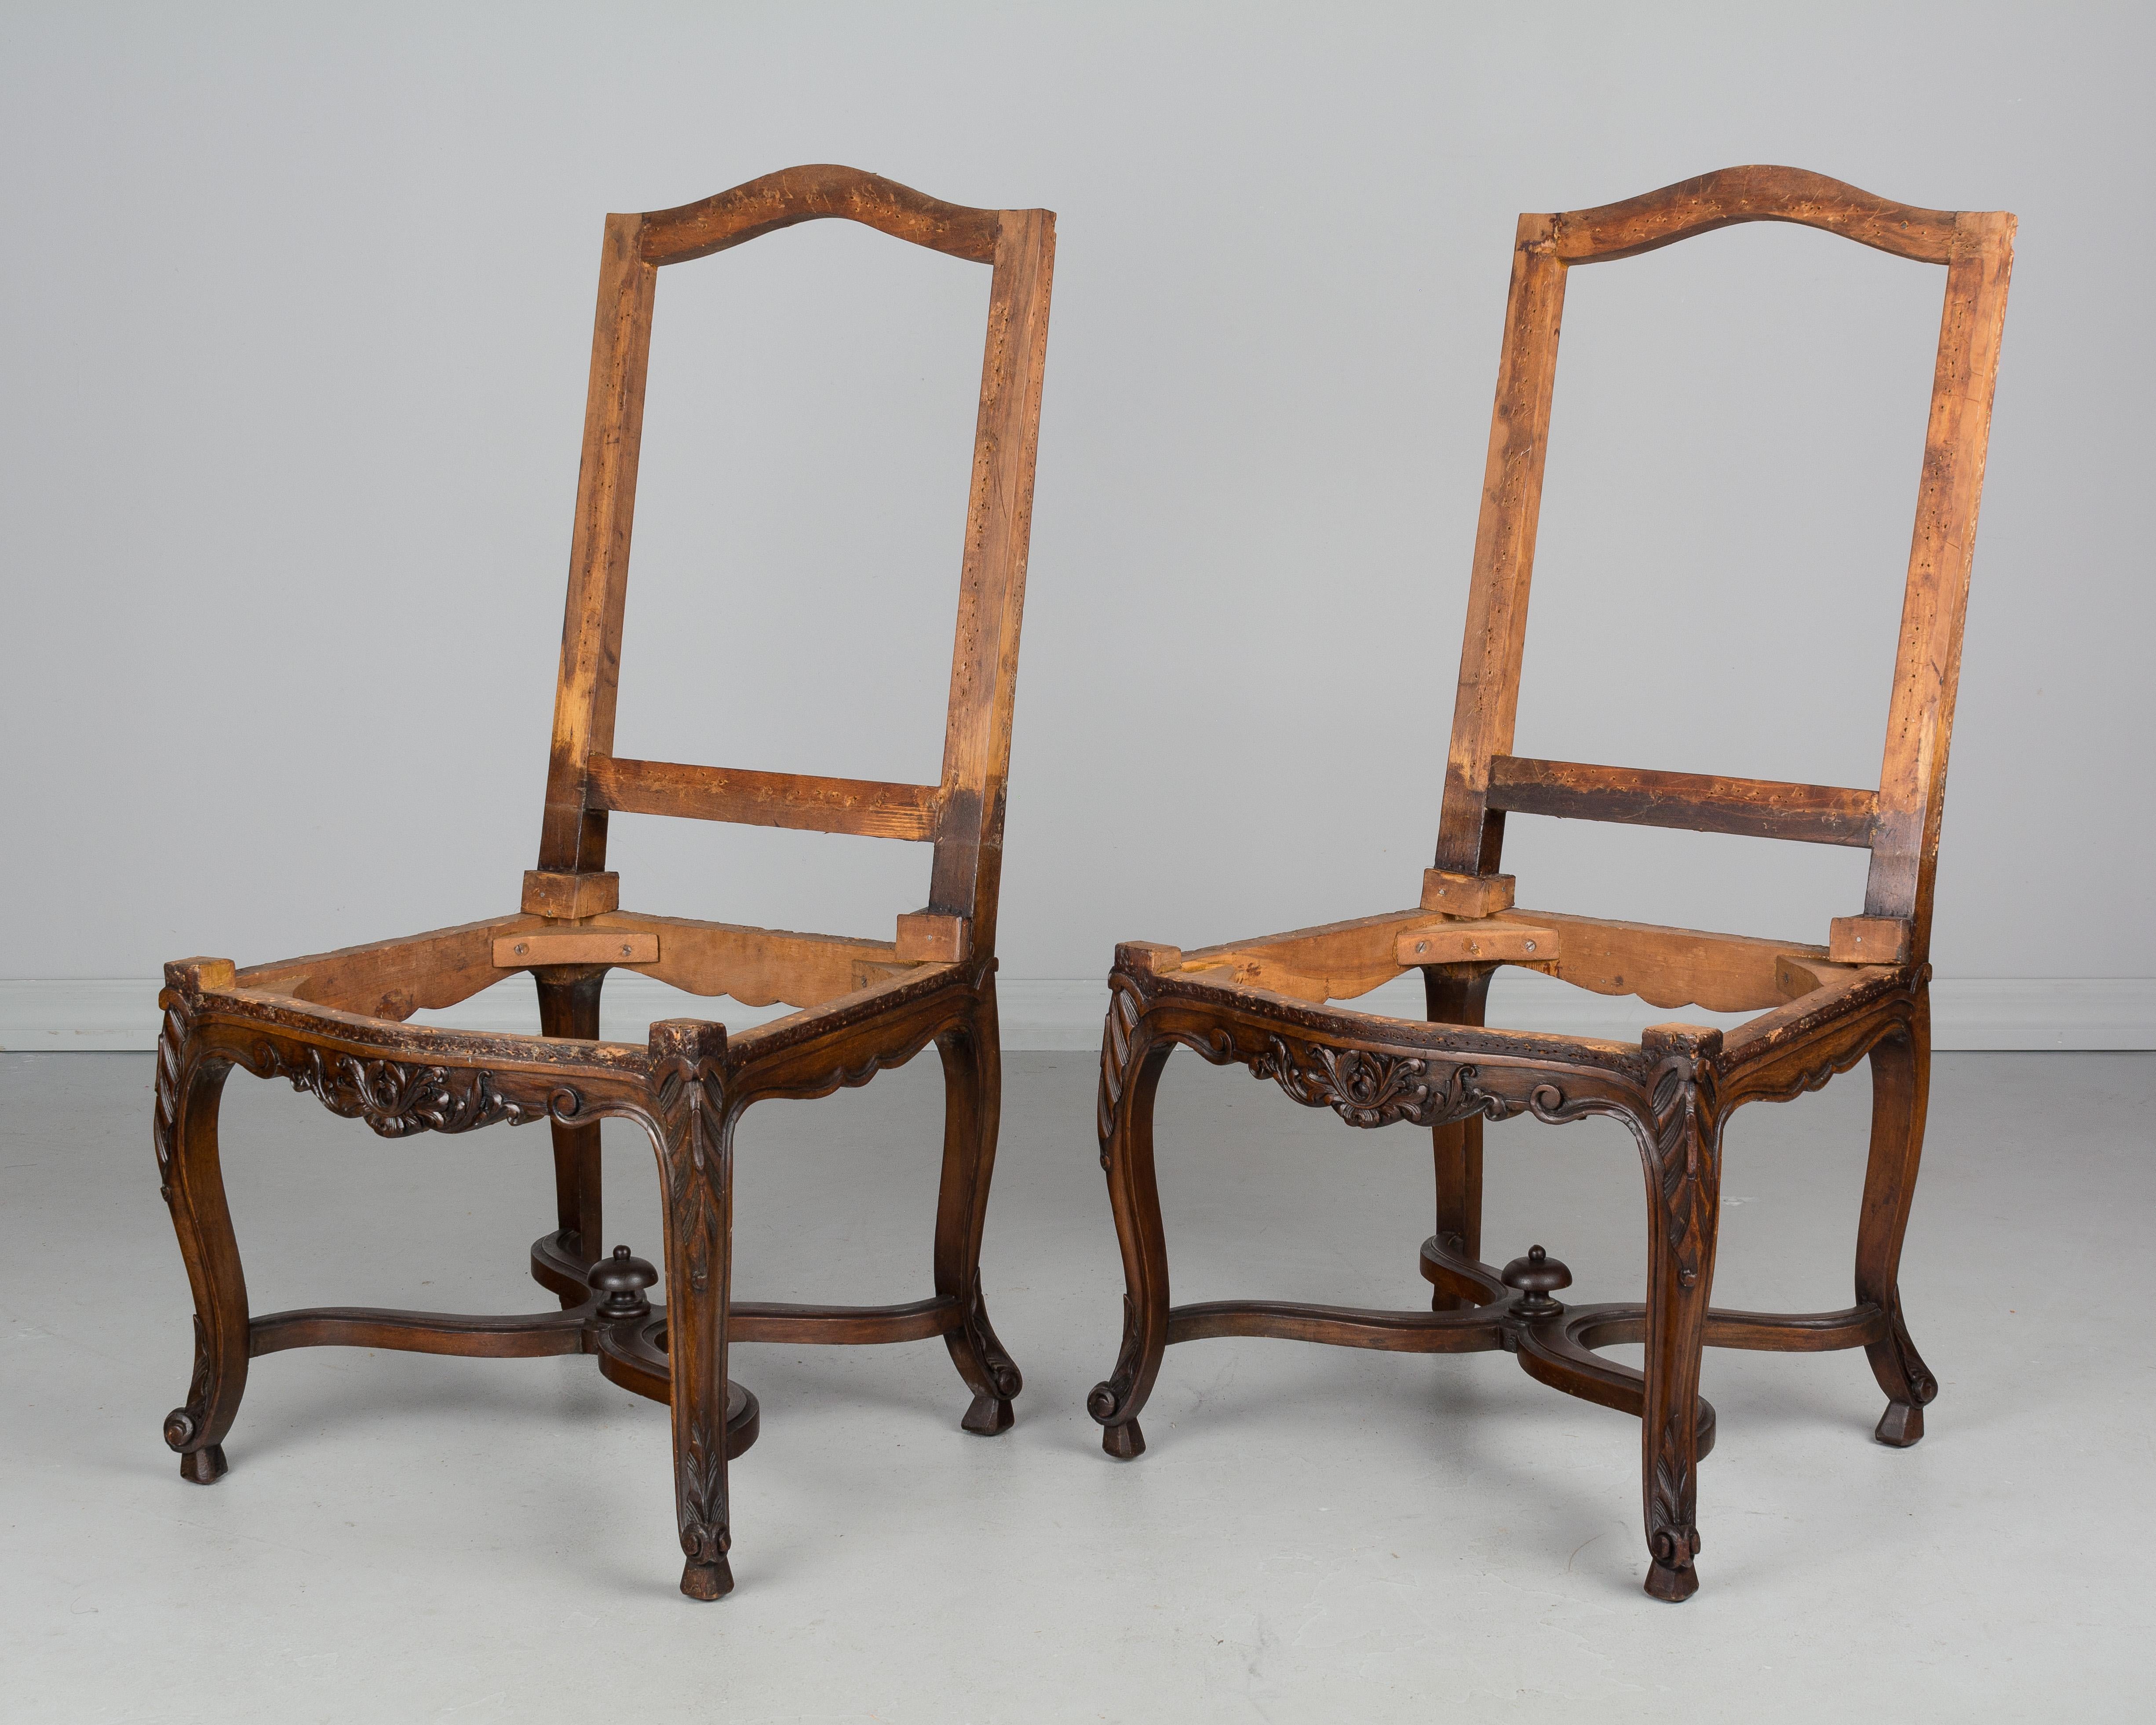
(1130, 1074)
(1457, 995)
(972, 1106)
(1683, 1144)
(1901, 1083)
(695, 1130)
(189, 1087)
(569, 1006)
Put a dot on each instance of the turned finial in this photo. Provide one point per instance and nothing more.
(622, 1280)
(1536, 1276)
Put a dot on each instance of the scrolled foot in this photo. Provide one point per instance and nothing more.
(1900, 1426)
(1672, 1586)
(1671, 1577)
(707, 1581)
(204, 1467)
(1120, 1435)
(988, 1415)
(1124, 1442)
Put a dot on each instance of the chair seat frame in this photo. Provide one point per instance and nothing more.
(1270, 1005)
(334, 1024)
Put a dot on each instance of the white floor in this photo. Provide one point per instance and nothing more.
(1314, 1534)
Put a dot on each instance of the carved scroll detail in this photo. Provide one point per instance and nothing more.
(1117, 1050)
(1686, 1133)
(705, 1535)
(1672, 1532)
(398, 1099)
(688, 1108)
(1833, 1058)
(1367, 1087)
(184, 1421)
(1002, 1369)
(1363, 1088)
(1109, 1398)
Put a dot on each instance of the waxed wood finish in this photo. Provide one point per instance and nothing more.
(1862, 996)
(1763, 809)
(335, 1024)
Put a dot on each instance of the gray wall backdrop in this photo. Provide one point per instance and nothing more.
(297, 305)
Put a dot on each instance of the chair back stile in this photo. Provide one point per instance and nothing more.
(1899, 822)
(962, 815)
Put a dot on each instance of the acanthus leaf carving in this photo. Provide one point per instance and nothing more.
(1687, 1135)
(1118, 1046)
(705, 1535)
(1363, 1087)
(693, 1126)
(165, 1120)
(395, 1099)
(1672, 1525)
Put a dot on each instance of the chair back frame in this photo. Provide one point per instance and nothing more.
(962, 815)
(1899, 822)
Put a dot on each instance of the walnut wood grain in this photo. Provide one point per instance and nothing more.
(763, 799)
(1269, 1004)
(536, 946)
(1763, 808)
(1927, 665)
(1337, 1325)
(333, 1024)
(1471, 835)
(1731, 195)
(536, 1336)
(1495, 940)
(849, 1326)
(806, 194)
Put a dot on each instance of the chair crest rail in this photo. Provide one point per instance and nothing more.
(1758, 194)
(812, 193)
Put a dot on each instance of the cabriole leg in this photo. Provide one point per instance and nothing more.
(690, 1110)
(1901, 1084)
(189, 1088)
(569, 1006)
(973, 1091)
(1130, 1074)
(1684, 1185)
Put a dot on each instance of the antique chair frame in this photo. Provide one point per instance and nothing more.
(332, 1024)
(1263, 1003)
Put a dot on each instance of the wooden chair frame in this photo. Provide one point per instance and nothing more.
(1263, 1003)
(332, 1024)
